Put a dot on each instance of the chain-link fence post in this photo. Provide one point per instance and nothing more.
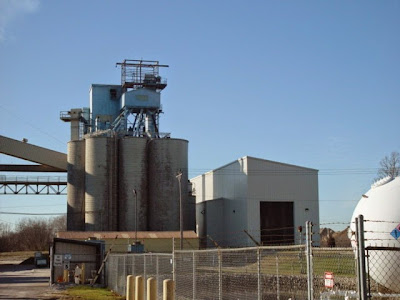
(277, 277)
(194, 275)
(220, 274)
(125, 273)
(361, 257)
(259, 296)
(144, 268)
(157, 273)
(310, 275)
(357, 259)
(173, 262)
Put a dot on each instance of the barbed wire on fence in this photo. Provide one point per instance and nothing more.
(259, 272)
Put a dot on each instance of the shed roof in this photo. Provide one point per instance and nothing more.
(125, 234)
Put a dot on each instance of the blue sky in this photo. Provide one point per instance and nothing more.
(311, 83)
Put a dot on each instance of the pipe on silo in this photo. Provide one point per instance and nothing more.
(166, 157)
(101, 184)
(76, 186)
(132, 176)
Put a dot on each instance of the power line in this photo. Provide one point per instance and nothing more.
(31, 125)
(32, 206)
(31, 214)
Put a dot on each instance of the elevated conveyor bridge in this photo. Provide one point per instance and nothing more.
(41, 185)
(45, 160)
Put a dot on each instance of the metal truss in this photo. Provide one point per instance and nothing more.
(33, 186)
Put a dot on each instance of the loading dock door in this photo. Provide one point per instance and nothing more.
(277, 223)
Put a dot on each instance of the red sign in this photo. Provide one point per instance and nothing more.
(329, 279)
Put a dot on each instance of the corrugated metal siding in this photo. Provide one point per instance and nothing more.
(243, 184)
(225, 219)
(269, 181)
(80, 254)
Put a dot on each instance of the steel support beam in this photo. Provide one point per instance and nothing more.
(29, 168)
(33, 153)
(33, 186)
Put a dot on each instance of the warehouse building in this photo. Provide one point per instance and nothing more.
(254, 201)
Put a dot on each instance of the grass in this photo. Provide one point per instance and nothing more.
(341, 263)
(91, 293)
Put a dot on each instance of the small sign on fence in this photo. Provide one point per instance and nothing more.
(329, 280)
(67, 256)
(57, 260)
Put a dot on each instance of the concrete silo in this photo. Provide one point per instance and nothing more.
(76, 186)
(132, 176)
(118, 148)
(100, 184)
(167, 157)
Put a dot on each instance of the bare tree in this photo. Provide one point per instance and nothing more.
(390, 165)
(34, 234)
(30, 234)
(57, 224)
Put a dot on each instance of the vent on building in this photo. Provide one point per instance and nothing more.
(113, 93)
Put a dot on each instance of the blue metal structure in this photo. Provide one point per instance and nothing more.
(129, 109)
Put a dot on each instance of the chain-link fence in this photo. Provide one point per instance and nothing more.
(377, 245)
(383, 272)
(246, 273)
(271, 272)
(119, 266)
(334, 273)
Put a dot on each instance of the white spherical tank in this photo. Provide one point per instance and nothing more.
(380, 207)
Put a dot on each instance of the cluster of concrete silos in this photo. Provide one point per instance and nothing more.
(104, 171)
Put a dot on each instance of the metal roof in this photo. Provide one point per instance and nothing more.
(261, 160)
(125, 234)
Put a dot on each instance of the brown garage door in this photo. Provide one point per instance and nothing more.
(277, 224)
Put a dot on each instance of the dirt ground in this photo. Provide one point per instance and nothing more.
(25, 281)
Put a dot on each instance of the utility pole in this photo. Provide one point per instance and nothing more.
(136, 223)
(179, 177)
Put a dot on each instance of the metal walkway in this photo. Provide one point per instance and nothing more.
(42, 185)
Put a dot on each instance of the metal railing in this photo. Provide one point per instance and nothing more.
(33, 179)
(40, 185)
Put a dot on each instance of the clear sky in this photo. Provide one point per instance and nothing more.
(310, 83)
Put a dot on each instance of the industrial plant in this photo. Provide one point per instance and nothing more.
(124, 174)
(127, 186)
